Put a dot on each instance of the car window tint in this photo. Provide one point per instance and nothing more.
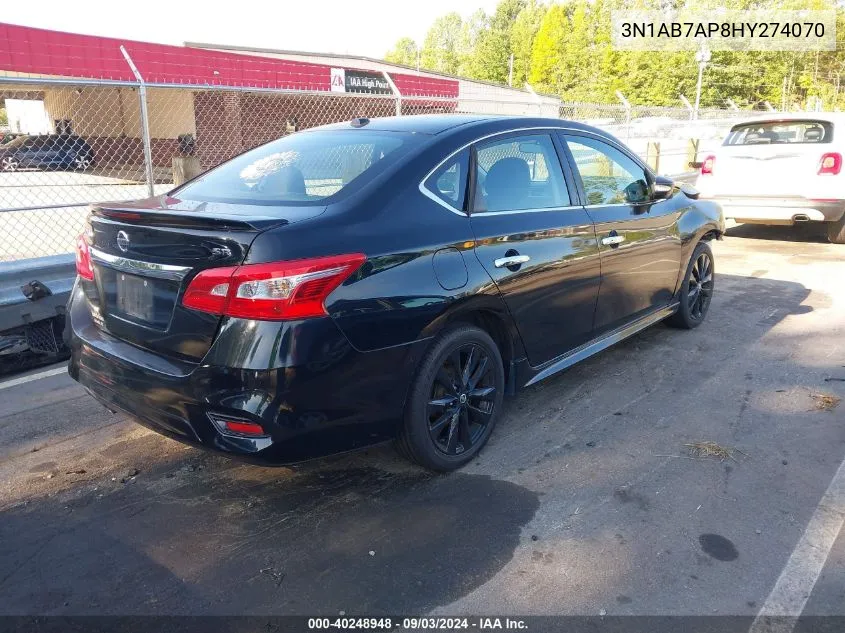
(517, 173)
(781, 132)
(608, 175)
(302, 168)
(448, 182)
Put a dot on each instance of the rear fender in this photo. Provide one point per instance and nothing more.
(704, 219)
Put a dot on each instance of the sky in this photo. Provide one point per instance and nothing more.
(362, 27)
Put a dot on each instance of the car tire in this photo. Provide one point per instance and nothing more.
(9, 164)
(454, 401)
(696, 290)
(836, 231)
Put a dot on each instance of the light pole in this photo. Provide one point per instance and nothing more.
(702, 57)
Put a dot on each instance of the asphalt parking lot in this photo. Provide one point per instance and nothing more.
(588, 499)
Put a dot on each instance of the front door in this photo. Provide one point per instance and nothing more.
(535, 241)
(638, 237)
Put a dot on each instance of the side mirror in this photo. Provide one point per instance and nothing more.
(662, 188)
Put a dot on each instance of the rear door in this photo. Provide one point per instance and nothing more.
(638, 239)
(535, 241)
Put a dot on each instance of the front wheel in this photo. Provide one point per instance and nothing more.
(9, 163)
(696, 290)
(454, 401)
(836, 231)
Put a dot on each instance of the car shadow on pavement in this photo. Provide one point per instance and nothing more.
(811, 232)
(220, 537)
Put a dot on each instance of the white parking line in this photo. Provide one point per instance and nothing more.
(793, 588)
(43, 374)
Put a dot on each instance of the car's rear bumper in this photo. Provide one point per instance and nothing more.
(340, 400)
(779, 210)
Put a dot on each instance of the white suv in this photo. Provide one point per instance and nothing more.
(781, 170)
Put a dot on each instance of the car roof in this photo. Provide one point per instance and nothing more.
(439, 123)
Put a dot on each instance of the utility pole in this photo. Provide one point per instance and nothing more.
(627, 105)
(702, 57)
(783, 96)
(510, 72)
(688, 106)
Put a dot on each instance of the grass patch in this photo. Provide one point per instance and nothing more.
(825, 401)
(702, 450)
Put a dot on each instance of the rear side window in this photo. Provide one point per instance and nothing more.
(781, 132)
(301, 168)
(449, 182)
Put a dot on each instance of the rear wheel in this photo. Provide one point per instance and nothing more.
(697, 289)
(454, 401)
(9, 163)
(836, 231)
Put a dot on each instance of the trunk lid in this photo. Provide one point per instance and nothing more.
(144, 254)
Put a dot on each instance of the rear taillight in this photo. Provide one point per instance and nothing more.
(830, 163)
(707, 165)
(276, 291)
(83, 259)
(236, 426)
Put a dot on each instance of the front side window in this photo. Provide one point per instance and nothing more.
(449, 182)
(518, 173)
(607, 174)
(301, 168)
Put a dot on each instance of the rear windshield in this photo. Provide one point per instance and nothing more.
(773, 132)
(301, 168)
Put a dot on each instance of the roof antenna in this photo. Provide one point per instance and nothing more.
(359, 121)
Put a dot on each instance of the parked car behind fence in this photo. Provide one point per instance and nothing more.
(46, 152)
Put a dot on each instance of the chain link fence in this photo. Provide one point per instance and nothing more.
(109, 140)
(661, 135)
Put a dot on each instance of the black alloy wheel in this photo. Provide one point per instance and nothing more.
(455, 399)
(700, 286)
(463, 397)
(697, 289)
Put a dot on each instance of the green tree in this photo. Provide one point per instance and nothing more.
(440, 51)
(565, 48)
(547, 51)
(471, 30)
(523, 32)
(491, 60)
(4, 119)
(403, 52)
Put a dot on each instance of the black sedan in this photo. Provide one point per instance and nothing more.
(46, 152)
(380, 279)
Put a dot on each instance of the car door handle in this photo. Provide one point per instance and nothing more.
(612, 240)
(512, 260)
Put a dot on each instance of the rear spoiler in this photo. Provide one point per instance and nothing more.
(186, 219)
